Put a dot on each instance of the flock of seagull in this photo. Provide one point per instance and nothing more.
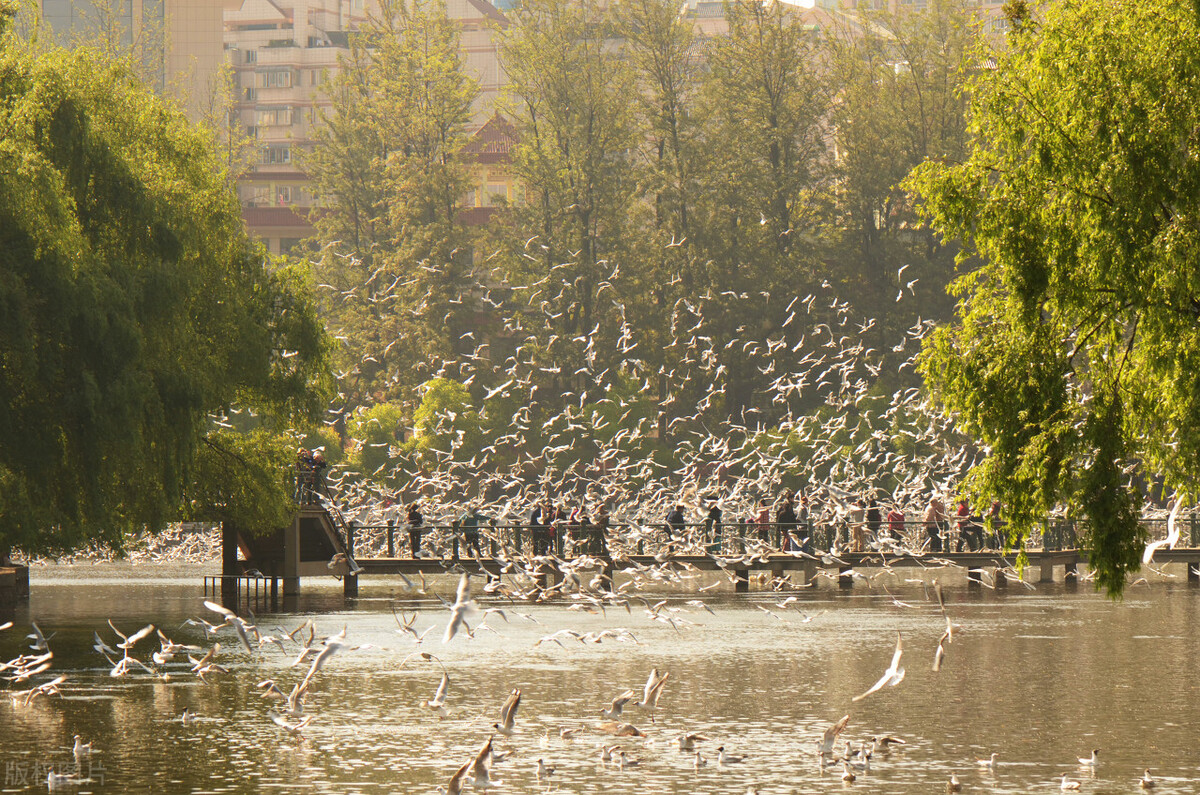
(31, 677)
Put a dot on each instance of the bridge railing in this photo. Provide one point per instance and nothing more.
(450, 540)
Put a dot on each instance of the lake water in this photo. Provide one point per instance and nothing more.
(1040, 677)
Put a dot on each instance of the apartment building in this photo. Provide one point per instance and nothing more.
(282, 51)
(180, 41)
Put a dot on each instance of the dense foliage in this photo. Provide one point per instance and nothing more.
(1074, 354)
(131, 307)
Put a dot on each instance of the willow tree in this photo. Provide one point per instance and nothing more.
(131, 306)
(390, 161)
(1076, 351)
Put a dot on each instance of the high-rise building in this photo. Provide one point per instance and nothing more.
(282, 51)
(179, 41)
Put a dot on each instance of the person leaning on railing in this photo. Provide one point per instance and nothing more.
(415, 522)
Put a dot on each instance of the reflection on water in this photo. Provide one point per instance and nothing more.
(1040, 677)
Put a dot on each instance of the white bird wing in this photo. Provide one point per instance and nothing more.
(216, 608)
(455, 787)
(509, 712)
(620, 701)
(483, 761)
(892, 676)
(439, 698)
(830, 735)
(651, 682)
(135, 637)
(1172, 534)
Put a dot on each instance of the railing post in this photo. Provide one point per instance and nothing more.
(391, 538)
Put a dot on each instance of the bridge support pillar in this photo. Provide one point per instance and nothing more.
(974, 579)
(1193, 572)
(291, 560)
(741, 581)
(777, 574)
(1000, 578)
(1046, 571)
(229, 558)
(610, 577)
(845, 579)
(808, 571)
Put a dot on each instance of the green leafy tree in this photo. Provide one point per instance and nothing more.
(131, 306)
(765, 165)
(900, 101)
(378, 432)
(1074, 356)
(389, 167)
(569, 98)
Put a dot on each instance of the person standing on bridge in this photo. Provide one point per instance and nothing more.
(763, 520)
(805, 528)
(785, 521)
(676, 522)
(874, 521)
(935, 515)
(996, 526)
(712, 527)
(540, 531)
(469, 526)
(895, 520)
(416, 522)
(600, 531)
(858, 516)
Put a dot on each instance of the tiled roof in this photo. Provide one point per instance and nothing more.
(491, 142)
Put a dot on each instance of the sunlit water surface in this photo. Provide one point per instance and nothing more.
(1040, 677)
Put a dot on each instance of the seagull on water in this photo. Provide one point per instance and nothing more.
(1090, 761)
(728, 759)
(508, 713)
(1146, 782)
(438, 702)
(618, 704)
(654, 686)
(1068, 785)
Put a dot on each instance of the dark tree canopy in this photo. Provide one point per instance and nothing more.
(1076, 351)
(131, 306)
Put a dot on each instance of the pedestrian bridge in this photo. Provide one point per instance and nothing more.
(319, 542)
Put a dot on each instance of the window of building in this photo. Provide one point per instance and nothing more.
(280, 78)
(252, 132)
(251, 94)
(251, 56)
(497, 193)
(287, 245)
(468, 199)
(276, 154)
(273, 117)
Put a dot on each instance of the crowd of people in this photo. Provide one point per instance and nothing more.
(791, 523)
